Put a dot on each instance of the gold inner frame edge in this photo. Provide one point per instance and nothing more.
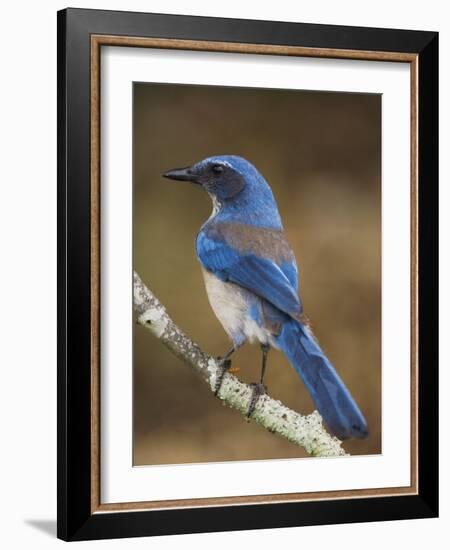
(97, 41)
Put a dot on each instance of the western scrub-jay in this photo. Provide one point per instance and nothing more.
(251, 279)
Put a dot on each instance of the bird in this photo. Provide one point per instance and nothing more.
(251, 279)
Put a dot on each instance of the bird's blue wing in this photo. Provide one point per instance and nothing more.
(255, 273)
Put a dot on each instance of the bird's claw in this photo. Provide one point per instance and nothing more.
(224, 366)
(257, 391)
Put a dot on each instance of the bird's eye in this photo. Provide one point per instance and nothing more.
(217, 168)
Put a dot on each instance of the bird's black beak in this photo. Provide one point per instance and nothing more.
(182, 174)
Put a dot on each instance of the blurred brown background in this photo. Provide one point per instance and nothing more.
(321, 154)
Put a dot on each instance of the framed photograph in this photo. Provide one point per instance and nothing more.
(247, 255)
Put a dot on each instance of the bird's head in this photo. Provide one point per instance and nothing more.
(238, 190)
(223, 177)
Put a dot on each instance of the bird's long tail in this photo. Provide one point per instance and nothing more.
(332, 399)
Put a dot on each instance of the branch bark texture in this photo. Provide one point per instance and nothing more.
(304, 431)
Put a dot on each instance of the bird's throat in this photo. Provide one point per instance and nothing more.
(216, 206)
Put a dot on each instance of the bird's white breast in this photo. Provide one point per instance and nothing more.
(231, 305)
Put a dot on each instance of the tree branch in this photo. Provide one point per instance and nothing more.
(304, 431)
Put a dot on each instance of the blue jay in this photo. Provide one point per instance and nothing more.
(251, 279)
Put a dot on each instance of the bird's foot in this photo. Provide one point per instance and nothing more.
(224, 366)
(257, 391)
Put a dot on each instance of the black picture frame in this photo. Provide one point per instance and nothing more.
(76, 521)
